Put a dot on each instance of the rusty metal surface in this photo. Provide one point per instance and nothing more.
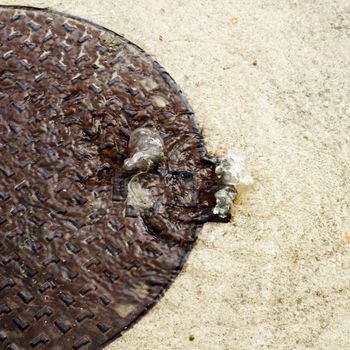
(78, 265)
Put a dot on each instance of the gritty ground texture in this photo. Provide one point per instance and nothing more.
(270, 78)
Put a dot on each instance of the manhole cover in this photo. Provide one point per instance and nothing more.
(79, 263)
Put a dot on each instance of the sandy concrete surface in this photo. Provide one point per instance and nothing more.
(270, 78)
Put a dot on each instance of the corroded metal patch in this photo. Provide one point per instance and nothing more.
(78, 264)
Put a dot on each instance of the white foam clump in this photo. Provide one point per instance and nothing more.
(138, 196)
(224, 198)
(234, 178)
(146, 150)
(232, 171)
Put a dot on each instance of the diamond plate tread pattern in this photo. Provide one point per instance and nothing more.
(77, 265)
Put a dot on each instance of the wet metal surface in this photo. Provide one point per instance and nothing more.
(79, 264)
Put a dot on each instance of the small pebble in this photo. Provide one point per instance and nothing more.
(346, 237)
(234, 20)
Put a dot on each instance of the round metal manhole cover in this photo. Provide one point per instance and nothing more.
(79, 262)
